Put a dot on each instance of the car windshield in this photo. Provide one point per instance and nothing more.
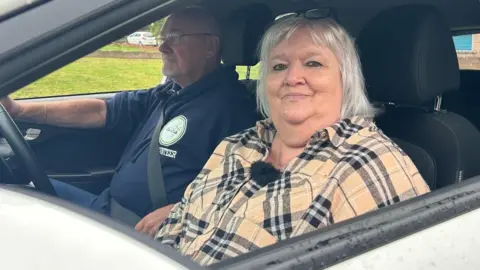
(147, 34)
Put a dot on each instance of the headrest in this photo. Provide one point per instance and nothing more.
(408, 55)
(242, 34)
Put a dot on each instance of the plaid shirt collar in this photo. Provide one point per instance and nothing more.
(337, 133)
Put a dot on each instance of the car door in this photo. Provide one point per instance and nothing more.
(131, 39)
(83, 157)
(135, 38)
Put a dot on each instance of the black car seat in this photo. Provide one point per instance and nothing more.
(409, 60)
(466, 101)
(242, 34)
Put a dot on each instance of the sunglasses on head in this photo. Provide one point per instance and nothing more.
(311, 14)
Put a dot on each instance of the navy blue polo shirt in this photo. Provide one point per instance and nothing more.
(197, 118)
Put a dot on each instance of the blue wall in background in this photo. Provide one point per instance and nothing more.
(463, 43)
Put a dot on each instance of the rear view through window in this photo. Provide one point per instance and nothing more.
(468, 51)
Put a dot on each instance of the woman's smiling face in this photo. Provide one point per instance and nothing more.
(303, 82)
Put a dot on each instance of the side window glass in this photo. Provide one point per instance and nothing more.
(126, 64)
(468, 50)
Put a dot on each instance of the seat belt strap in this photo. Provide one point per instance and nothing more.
(156, 185)
(122, 214)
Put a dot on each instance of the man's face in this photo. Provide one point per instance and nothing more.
(184, 47)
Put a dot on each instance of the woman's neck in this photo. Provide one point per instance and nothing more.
(291, 140)
(281, 154)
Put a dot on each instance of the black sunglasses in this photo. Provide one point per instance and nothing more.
(312, 14)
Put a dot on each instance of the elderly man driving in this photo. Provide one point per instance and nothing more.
(318, 159)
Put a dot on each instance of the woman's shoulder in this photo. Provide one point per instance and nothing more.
(373, 144)
(241, 136)
(372, 156)
(242, 143)
(371, 136)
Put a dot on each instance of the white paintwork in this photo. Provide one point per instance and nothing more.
(143, 38)
(35, 234)
(453, 244)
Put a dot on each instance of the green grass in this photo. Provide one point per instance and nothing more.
(97, 75)
(119, 48)
(127, 48)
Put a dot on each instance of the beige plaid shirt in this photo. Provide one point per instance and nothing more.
(346, 170)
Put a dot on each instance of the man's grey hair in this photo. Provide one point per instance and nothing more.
(201, 16)
(328, 33)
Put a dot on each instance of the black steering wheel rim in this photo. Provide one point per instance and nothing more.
(27, 158)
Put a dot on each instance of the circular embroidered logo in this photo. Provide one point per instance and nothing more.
(173, 131)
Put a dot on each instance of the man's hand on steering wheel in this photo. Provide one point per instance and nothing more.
(13, 107)
(22, 150)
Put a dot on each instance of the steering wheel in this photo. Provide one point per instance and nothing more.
(27, 158)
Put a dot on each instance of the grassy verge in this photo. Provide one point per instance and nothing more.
(114, 47)
(96, 75)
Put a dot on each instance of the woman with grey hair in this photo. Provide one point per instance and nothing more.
(317, 159)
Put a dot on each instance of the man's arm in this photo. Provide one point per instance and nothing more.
(79, 113)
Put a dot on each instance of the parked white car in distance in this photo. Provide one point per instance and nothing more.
(142, 38)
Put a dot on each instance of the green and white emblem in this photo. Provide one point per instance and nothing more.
(173, 131)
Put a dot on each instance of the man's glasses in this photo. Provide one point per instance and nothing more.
(175, 38)
(312, 14)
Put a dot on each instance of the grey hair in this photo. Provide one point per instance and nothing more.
(202, 16)
(328, 33)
